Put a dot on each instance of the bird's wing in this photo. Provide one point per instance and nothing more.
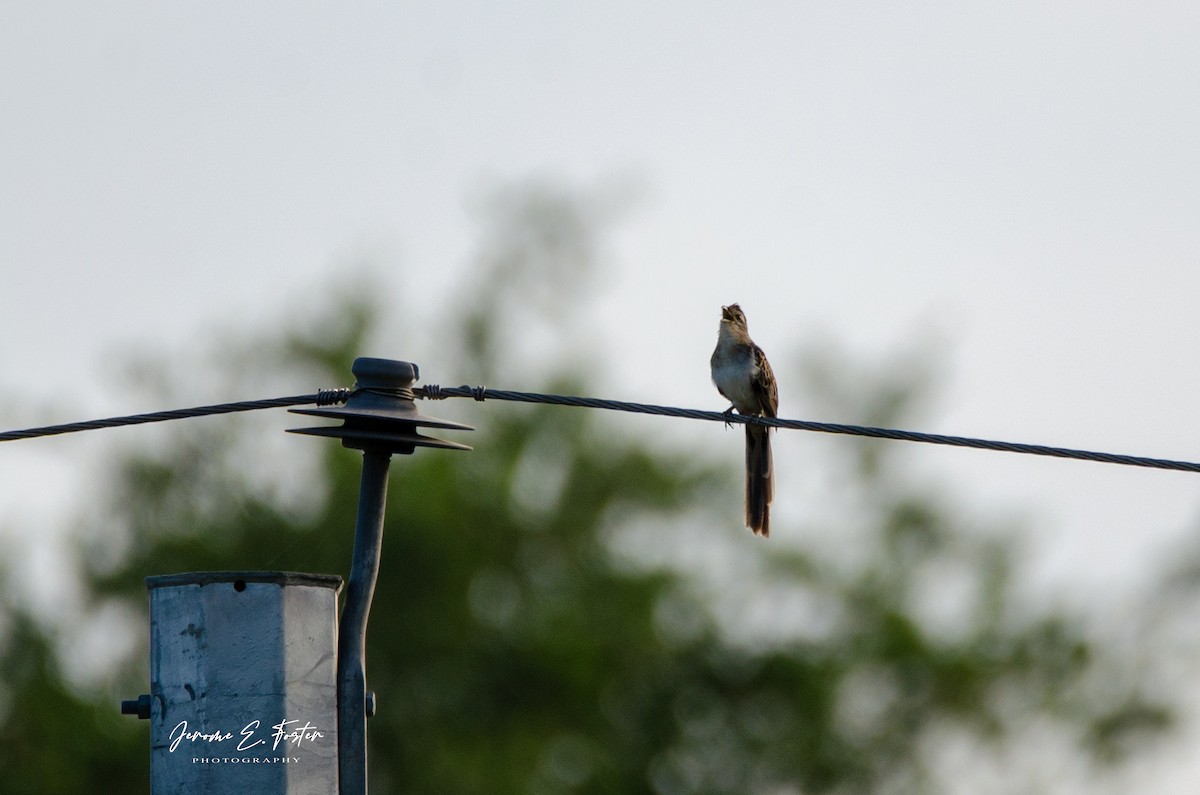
(764, 384)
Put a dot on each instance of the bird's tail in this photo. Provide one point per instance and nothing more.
(760, 487)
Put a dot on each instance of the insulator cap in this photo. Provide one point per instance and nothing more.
(381, 413)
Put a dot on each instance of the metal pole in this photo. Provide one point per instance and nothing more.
(242, 683)
(381, 419)
(352, 634)
(232, 654)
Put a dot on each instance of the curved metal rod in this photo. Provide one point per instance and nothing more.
(352, 630)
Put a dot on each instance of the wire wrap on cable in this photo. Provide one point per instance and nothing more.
(329, 397)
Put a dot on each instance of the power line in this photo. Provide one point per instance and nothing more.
(323, 397)
(435, 392)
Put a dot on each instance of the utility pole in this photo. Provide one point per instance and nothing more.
(232, 648)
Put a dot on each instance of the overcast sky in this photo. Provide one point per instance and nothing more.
(1021, 179)
(1018, 180)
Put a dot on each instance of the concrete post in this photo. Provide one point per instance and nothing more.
(243, 685)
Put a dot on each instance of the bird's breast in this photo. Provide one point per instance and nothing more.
(733, 376)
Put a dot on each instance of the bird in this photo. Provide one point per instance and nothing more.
(743, 376)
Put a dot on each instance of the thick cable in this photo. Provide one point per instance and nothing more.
(160, 416)
(482, 393)
(479, 393)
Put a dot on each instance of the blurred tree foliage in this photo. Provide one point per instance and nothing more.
(516, 649)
